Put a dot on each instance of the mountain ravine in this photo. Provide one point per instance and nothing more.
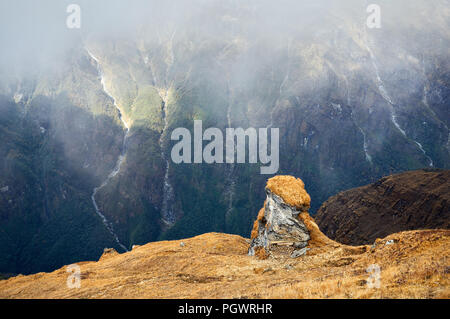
(85, 153)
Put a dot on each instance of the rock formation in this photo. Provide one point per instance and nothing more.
(283, 225)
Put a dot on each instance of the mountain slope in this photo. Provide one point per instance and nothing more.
(406, 201)
(217, 266)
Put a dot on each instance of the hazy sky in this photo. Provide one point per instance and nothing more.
(34, 32)
(40, 25)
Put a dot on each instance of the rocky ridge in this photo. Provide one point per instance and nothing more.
(407, 201)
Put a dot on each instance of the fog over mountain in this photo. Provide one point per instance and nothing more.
(87, 114)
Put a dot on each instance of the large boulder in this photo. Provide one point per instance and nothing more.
(283, 225)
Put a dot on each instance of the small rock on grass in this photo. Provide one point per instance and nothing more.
(299, 252)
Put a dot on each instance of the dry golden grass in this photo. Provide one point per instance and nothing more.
(255, 229)
(291, 190)
(318, 239)
(217, 266)
(415, 266)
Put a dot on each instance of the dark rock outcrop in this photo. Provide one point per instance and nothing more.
(407, 201)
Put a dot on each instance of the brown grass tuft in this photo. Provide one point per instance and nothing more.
(261, 253)
(256, 222)
(318, 239)
(291, 190)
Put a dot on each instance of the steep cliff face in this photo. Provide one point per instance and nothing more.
(58, 143)
(407, 201)
(352, 104)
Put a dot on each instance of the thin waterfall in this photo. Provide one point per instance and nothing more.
(387, 98)
(119, 162)
(168, 215)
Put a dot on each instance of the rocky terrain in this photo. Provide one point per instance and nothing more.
(412, 264)
(406, 201)
(352, 104)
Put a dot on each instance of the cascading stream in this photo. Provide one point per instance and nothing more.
(119, 162)
(365, 145)
(230, 170)
(167, 212)
(387, 98)
(365, 142)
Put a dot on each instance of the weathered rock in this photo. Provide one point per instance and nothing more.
(389, 242)
(278, 223)
(300, 245)
(300, 252)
